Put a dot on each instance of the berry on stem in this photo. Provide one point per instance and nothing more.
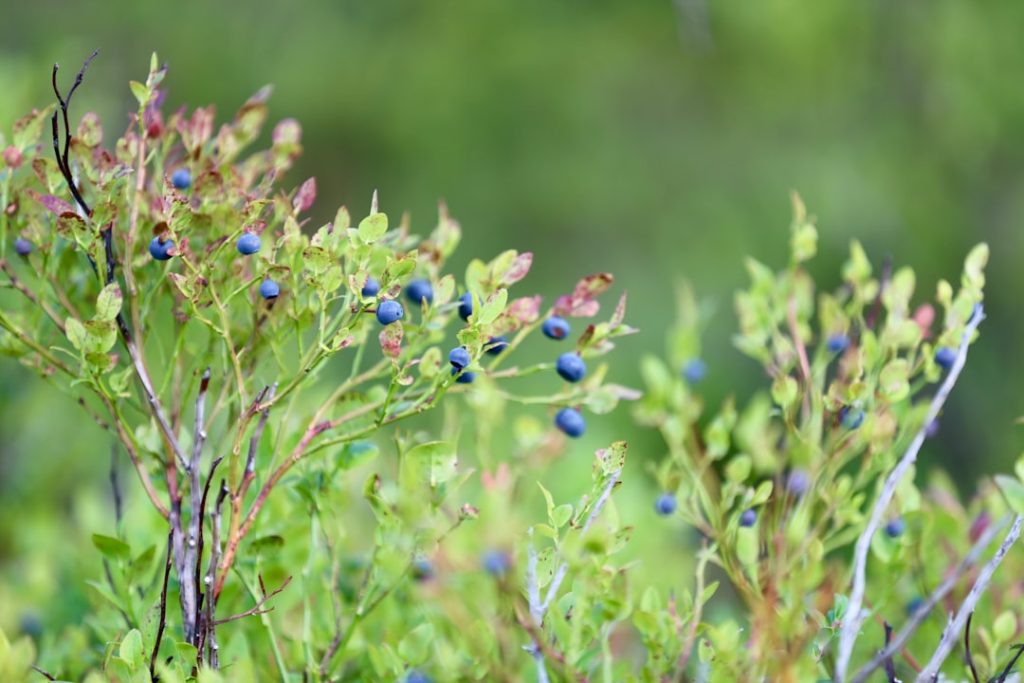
(270, 289)
(570, 421)
(694, 370)
(665, 505)
(555, 328)
(944, 357)
(571, 367)
(22, 247)
(370, 287)
(389, 311)
(419, 291)
(422, 569)
(181, 179)
(159, 248)
(463, 376)
(466, 306)
(249, 243)
(837, 343)
(748, 518)
(459, 357)
(851, 418)
(894, 528)
(496, 345)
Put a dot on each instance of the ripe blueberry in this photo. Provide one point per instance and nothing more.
(371, 287)
(466, 306)
(248, 244)
(181, 179)
(798, 481)
(22, 247)
(463, 376)
(459, 357)
(914, 606)
(837, 343)
(159, 248)
(944, 357)
(419, 291)
(748, 518)
(571, 367)
(422, 569)
(495, 563)
(555, 328)
(269, 289)
(417, 676)
(665, 505)
(851, 418)
(496, 345)
(694, 370)
(895, 527)
(389, 311)
(570, 422)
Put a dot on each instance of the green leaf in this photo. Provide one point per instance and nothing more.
(560, 515)
(108, 303)
(76, 333)
(492, 307)
(140, 91)
(429, 464)
(415, 646)
(112, 548)
(131, 649)
(1013, 491)
(373, 227)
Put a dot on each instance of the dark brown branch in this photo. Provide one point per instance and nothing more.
(48, 676)
(163, 613)
(967, 648)
(62, 159)
(258, 607)
(890, 667)
(1009, 665)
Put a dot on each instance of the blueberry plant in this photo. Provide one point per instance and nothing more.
(265, 379)
(848, 567)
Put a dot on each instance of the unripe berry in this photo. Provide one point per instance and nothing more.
(555, 328)
(389, 311)
(748, 518)
(159, 248)
(466, 306)
(570, 422)
(459, 357)
(944, 357)
(571, 367)
(695, 370)
(837, 343)
(270, 289)
(419, 291)
(371, 287)
(665, 505)
(181, 179)
(895, 528)
(248, 244)
(22, 247)
(496, 345)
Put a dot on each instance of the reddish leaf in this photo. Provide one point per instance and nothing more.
(12, 157)
(582, 302)
(620, 312)
(391, 340)
(518, 270)
(287, 132)
(305, 197)
(54, 204)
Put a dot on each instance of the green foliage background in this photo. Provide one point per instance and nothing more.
(642, 137)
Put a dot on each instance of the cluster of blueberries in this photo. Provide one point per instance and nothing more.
(570, 366)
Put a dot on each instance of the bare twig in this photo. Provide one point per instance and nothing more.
(258, 608)
(933, 599)
(890, 668)
(188, 570)
(951, 632)
(115, 486)
(45, 674)
(967, 648)
(163, 613)
(855, 612)
(1009, 665)
(209, 632)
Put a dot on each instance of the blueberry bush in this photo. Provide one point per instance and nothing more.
(335, 443)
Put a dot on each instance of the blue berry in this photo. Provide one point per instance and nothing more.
(555, 328)
(22, 247)
(748, 518)
(159, 249)
(181, 179)
(571, 367)
(417, 676)
(851, 418)
(694, 370)
(944, 357)
(914, 606)
(419, 291)
(270, 289)
(895, 528)
(496, 345)
(570, 422)
(463, 376)
(798, 481)
(248, 244)
(665, 505)
(495, 563)
(837, 343)
(459, 357)
(422, 569)
(389, 311)
(466, 306)
(371, 287)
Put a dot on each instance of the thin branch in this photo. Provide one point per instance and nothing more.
(188, 571)
(163, 613)
(949, 634)
(45, 674)
(855, 612)
(1009, 665)
(209, 631)
(967, 648)
(258, 608)
(115, 486)
(30, 295)
(933, 599)
(890, 668)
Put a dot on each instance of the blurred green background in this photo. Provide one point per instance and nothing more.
(649, 138)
